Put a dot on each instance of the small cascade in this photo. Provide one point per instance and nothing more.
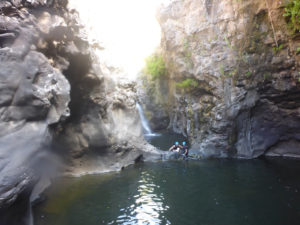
(145, 124)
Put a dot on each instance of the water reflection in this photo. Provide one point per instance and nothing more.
(148, 206)
(210, 192)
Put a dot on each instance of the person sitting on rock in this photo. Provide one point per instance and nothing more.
(185, 149)
(176, 147)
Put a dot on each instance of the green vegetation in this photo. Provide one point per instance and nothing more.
(228, 74)
(298, 50)
(222, 72)
(188, 83)
(155, 66)
(232, 73)
(187, 53)
(292, 14)
(277, 49)
(227, 42)
(248, 74)
(267, 76)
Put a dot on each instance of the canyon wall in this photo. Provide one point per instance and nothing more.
(233, 77)
(61, 110)
(232, 88)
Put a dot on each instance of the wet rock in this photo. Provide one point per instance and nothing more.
(289, 148)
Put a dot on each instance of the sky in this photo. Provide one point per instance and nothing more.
(127, 29)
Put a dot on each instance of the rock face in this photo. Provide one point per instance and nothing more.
(106, 135)
(58, 105)
(33, 96)
(245, 103)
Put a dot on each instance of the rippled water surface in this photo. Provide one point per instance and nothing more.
(211, 192)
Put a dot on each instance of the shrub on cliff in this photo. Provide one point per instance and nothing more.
(292, 14)
(155, 66)
(187, 84)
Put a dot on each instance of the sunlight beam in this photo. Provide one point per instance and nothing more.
(127, 30)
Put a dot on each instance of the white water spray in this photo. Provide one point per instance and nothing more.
(145, 124)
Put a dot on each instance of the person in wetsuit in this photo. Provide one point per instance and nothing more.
(185, 149)
(176, 147)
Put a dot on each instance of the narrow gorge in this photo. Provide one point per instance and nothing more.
(225, 79)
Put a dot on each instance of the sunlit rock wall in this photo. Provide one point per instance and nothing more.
(246, 102)
(60, 108)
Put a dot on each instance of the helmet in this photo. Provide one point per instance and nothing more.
(176, 143)
(183, 143)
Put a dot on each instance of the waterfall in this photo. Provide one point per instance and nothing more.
(144, 121)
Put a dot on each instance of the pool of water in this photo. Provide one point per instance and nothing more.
(208, 192)
(165, 140)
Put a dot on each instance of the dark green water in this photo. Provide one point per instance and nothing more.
(210, 192)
